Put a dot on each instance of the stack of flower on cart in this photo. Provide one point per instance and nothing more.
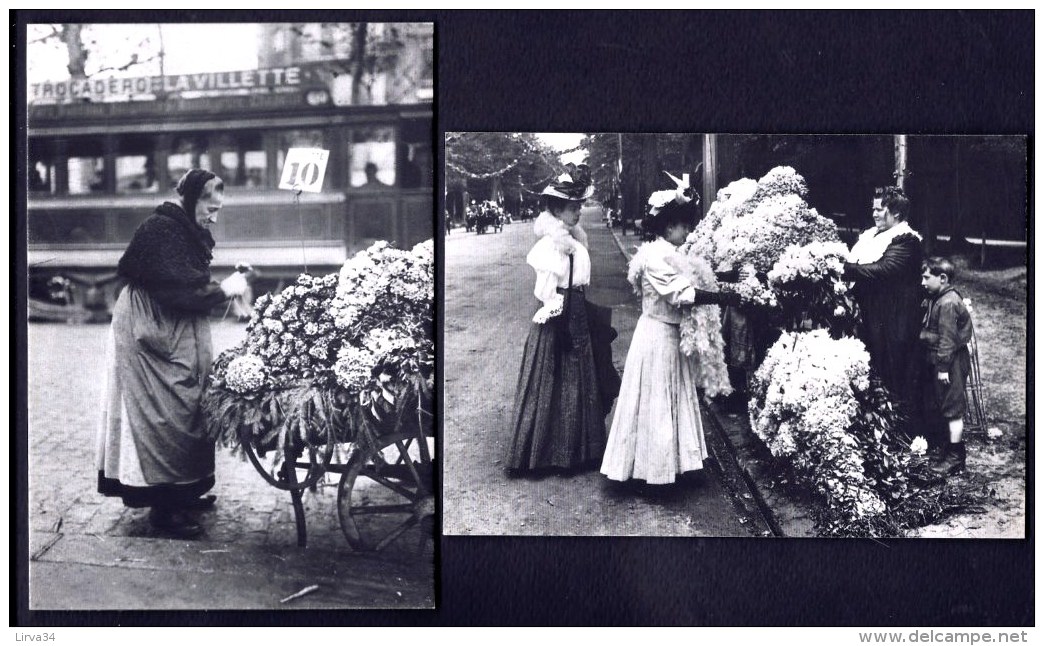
(332, 359)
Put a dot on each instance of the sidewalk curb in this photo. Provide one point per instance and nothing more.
(785, 516)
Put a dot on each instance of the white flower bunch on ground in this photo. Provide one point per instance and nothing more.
(354, 367)
(802, 406)
(919, 445)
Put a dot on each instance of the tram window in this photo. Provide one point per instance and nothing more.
(416, 167)
(180, 163)
(298, 139)
(372, 165)
(412, 166)
(229, 169)
(188, 152)
(86, 175)
(135, 174)
(41, 177)
(41, 166)
(256, 162)
(242, 161)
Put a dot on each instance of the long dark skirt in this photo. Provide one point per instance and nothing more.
(557, 419)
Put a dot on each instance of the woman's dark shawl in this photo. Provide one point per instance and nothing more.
(169, 257)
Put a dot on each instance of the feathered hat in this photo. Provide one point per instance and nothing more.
(670, 200)
(681, 194)
(575, 184)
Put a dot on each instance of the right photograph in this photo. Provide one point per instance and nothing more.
(735, 335)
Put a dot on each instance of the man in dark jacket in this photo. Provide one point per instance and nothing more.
(885, 265)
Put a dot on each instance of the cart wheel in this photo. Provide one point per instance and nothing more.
(389, 500)
(310, 464)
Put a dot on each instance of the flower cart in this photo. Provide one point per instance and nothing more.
(335, 377)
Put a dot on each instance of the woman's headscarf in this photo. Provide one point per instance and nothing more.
(190, 187)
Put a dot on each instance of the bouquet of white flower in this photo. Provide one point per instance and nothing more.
(751, 225)
(806, 282)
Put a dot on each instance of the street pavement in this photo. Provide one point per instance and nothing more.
(90, 552)
(488, 307)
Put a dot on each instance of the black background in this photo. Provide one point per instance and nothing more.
(760, 72)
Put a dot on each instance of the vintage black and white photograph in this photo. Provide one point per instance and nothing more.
(231, 297)
(735, 335)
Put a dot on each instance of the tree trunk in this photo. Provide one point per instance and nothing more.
(359, 30)
(77, 54)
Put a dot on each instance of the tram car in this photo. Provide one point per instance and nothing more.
(96, 170)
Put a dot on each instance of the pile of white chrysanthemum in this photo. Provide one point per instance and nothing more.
(369, 324)
(812, 262)
(383, 312)
(803, 404)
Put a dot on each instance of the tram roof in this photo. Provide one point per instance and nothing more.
(226, 112)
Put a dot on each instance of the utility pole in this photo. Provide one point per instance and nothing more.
(710, 170)
(619, 176)
(900, 161)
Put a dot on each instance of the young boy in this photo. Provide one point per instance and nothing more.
(945, 335)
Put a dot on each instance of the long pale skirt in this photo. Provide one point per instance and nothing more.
(151, 449)
(657, 432)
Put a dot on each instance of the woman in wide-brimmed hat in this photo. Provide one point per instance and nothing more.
(558, 419)
(657, 431)
(152, 451)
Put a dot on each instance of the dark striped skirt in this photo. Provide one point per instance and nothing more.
(557, 421)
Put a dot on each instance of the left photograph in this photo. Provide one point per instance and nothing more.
(231, 294)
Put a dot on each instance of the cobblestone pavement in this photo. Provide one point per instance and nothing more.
(251, 531)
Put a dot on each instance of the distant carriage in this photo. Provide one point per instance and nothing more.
(489, 217)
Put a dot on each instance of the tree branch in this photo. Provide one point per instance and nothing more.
(55, 33)
(131, 63)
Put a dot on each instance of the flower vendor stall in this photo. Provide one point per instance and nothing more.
(813, 400)
(340, 366)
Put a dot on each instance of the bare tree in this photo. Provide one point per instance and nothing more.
(88, 57)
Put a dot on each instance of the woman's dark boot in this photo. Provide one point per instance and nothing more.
(174, 522)
(951, 462)
(203, 503)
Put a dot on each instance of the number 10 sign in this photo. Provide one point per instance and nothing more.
(304, 169)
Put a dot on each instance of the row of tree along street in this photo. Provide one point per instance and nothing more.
(961, 188)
